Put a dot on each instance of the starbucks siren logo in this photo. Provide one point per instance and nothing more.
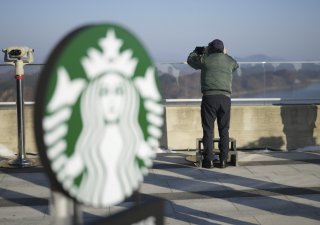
(112, 151)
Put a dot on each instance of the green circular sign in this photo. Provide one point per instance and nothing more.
(98, 115)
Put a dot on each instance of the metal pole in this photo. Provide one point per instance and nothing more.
(77, 214)
(60, 208)
(21, 160)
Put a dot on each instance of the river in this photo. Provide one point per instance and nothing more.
(311, 91)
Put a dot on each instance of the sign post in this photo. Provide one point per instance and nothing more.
(64, 210)
(98, 115)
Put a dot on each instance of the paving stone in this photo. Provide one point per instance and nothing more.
(217, 173)
(297, 180)
(285, 220)
(155, 188)
(174, 221)
(20, 212)
(281, 188)
(26, 221)
(187, 185)
(242, 183)
(273, 169)
(155, 184)
(239, 220)
(306, 200)
(21, 191)
(211, 207)
(264, 205)
(307, 168)
(174, 173)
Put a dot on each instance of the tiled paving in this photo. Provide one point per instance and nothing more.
(267, 188)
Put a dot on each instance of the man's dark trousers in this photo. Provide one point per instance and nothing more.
(215, 107)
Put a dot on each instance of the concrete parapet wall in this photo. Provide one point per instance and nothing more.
(9, 127)
(282, 127)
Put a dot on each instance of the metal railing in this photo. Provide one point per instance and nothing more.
(295, 82)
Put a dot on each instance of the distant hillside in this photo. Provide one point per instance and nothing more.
(259, 58)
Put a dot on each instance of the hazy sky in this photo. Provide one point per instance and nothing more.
(170, 29)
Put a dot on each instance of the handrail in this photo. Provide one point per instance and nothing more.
(7, 104)
(183, 62)
(31, 64)
(249, 101)
(256, 62)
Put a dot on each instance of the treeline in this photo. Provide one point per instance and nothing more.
(8, 86)
(184, 82)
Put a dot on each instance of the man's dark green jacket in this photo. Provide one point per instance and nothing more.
(216, 72)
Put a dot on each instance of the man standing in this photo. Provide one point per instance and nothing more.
(216, 79)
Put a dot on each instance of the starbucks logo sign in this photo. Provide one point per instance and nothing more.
(98, 115)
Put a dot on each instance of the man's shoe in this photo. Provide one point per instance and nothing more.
(223, 164)
(207, 164)
(216, 158)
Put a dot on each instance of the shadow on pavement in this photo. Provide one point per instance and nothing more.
(256, 194)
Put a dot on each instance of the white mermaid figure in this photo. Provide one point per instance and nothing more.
(111, 152)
